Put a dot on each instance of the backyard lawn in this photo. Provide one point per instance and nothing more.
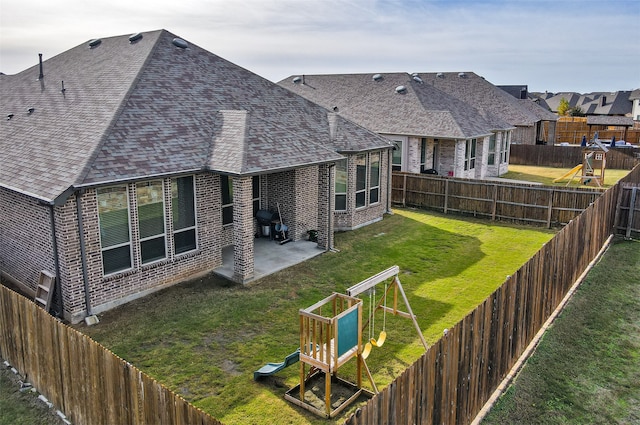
(546, 175)
(204, 338)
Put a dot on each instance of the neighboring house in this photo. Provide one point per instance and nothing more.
(634, 97)
(529, 118)
(597, 103)
(431, 130)
(129, 162)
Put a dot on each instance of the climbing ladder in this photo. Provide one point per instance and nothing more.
(44, 291)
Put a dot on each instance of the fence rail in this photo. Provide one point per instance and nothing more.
(87, 382)
(532, 204)
(451, 382)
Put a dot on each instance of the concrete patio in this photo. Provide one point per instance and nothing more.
(270, 256)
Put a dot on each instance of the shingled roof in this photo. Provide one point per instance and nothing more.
(376, 102)
(483, 95)
(128, 108)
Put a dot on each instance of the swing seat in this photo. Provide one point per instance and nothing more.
(367, 350)
(381, 339)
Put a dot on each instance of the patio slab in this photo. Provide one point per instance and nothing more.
(270, 257)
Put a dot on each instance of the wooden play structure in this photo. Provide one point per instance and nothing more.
(594, 162)
(368, 286)
(329, 337)
(331, 333)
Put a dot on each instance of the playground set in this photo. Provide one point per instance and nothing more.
(331, 334)
(594, 162)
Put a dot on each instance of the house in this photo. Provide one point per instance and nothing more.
(130, 162)
(634, 97)
(432, 131)
(534, 124)
(617, 103)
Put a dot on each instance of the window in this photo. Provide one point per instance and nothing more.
(491, 160)
(423, 155)
(341, 185)
(256, 194)
(374, 177)
(113, 217)
(470, 155)
(505, 147)
(396, 157)
(361, 180)
(184, 214)
(226, 183)
(151, 223)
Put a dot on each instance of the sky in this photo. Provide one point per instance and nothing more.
(548, 45)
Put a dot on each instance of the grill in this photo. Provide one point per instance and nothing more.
(267, 220)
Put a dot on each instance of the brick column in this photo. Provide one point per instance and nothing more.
(326, 195)
(242, 229)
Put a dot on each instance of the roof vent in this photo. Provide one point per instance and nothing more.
(417, 79)
(9, 116)
(335, 109)
(94, 43)
(377, 77)
(30, 111)
(401, 89)
(297, 80)
(440, 75)
(135, 37)
(462, 75)
(178, 42)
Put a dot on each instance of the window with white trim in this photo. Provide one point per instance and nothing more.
(423, 154)
(374, 177)
(341, 186)
(470, 154)
(226, 185)
(255, 182)
(396, 156)
(361, 180)
(184, 214)
(491, 158)
(115, 234)
(151, 220)
(504, 150)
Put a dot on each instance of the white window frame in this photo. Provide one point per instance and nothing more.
(120, 245)
(162, 235)
(363, 191)
(470, 152)
(504, 148)
(195, 218)
(374, 185)
(346, 185)
(229, 181)
(491, 158)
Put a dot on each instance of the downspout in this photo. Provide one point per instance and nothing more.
(56, 262)
(389, 179)
(83, 257)
(331, 207)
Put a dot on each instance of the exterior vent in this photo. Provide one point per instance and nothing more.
(296, 80)
(401, 89)
(178, 42)
(335, 109)
(94, 43)
(462, 75)
(440, 75)
(417, 79)
(135, 37)
(30, 111)
(377, 77)
(9, 116)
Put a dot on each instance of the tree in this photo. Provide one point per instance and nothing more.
(576, 111)
(563, 107)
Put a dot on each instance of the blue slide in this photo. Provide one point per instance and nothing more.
(271, 368)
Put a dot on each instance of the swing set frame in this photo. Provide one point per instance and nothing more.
(395, 285)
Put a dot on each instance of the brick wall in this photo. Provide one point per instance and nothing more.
(243, 224)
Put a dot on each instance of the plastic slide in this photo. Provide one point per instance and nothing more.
(271, 368)
(573, 171)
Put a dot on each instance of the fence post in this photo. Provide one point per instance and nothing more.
(550, 209)
(404, 190)
(446, 194)
(495, 202)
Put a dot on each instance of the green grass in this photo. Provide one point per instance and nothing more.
(586, 370)
(22, 408)
(546, 175)
(204, 338)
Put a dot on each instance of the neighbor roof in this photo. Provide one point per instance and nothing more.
(376, 102)
(483, 95)
(145, 107)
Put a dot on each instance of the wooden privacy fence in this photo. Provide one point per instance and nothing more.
(569, 156)
(532, 204)
(87, 382)
(451, 382)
